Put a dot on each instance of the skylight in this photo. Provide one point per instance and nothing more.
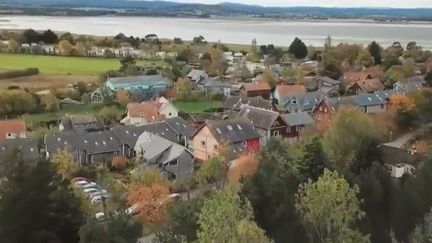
(230, 127)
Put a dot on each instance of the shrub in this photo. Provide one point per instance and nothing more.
(19, 73)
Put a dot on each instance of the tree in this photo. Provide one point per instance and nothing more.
(237, 217)
(119, 162)
(184, 89)
(330, 208)
(65, 164)
(242, 73)
(13, 46)
(49, 37)
(36, 205)
(423, 232)
(218, 65)
(109, 114)
(65, 47)
(50, 102)
(271, 192)
(81, 87)
(212, 171)
(126, 63)
(243, 168)
(268, 78)
(364, 59)
(404, 110)
(298, 49)
(123, 97)
(199, 40)
(428, 78)
(112, 230)
(151, 202)
(67, 36)
(147, 177)
(375, 50)
(31, 36)
(349, 139)
(311, 159)
(178, 41)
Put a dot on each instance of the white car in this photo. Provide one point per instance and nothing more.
(100, 216)
(80, 183)
(89, 185)
(133, 210)
(96, 200)
(91, 190)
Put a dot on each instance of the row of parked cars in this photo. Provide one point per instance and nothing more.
(95, 193)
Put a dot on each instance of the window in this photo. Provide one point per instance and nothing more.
(298, 128)
(203, 143)
(325, 110)
(170, 114)
(382, 106)
(288, 129)
(276, 133)
(244, 143)
(320, 108)
(173, 163)
(239, 127)
(215, 147)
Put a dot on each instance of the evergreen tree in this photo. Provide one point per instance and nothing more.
(298, 49)
(375, 51)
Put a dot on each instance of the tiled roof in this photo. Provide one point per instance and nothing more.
(27, 147)
(257, 86)
(368, 85)
(147, 110)
(349, 77)
(233, 130)
(287, 90)
(259, 117)
(11, 126)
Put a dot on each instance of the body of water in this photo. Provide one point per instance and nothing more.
(278, 32)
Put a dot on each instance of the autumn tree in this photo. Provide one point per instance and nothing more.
(364, 59)
(51, 102)
(212, 171)
(330, 209)
(184, 89)
(349, 139)
(218, 65)
(65, 164)
(298, 49)
(404, 110)
(151, 202)
(147, 176)
(109, 114)
(119, 162)
(237, 217)
(269, 78)
(243, 167)
(123, 97)
(13, 46)
(65, 47)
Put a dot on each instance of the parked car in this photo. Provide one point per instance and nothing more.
(175, 197)
(79, 179)
(90, 185)
(80, 183)
(91, 190)
(132, 210)
(100, 216)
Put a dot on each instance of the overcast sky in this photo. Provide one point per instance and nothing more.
(327, 3)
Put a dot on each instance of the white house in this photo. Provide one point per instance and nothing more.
(140, 114)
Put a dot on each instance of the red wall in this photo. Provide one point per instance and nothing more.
(253, 144)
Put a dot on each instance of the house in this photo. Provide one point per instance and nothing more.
(197, 76)
(360, 82)
(364, 86)
(306, 102)
(80, 123)
(237, 134)
(10, 129)
(217, 87)
(289, 93)
(327, 107)
(88, 148)
(183, 130)
(128, 136)
(139, 114)
(96, 96)
(409, 85)
(255, 89)
(197, 120)
(398, 161)
(328, 85)
(145, 87)
(236, 103)
(27, 148)
(173, 159)
(267, 123)
(295, 122)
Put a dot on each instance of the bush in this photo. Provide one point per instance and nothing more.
(19, 73)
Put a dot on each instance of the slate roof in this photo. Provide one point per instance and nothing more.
(410, 85)
(69, 140)
(162, 129)
(392, 155)
(26, 146)
(370, 100)
(325, 79)
(297, 119)
(81, 122)
(180, 126)
(196, 75)
(128, 134)
(259, 117)
(236, 102)
(305, 102)
(100, 142)
(336, 102)
(233, 130)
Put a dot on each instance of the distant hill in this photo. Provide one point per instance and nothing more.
(222, 9)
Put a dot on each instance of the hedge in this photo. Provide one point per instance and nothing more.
(19, 73)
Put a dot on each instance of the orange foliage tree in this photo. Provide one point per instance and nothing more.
(151, 202)
(244, 167)
(119, 162)
(400, 101)
(123, 97)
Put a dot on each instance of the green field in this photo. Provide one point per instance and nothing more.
(62, 65)
(197, 106)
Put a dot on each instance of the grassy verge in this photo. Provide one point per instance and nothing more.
(197, 106)
(63, 65)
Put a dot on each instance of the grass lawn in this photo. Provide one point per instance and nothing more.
(197, 106)
(62, 65)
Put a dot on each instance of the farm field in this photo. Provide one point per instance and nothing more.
(63, 65)
(45, 81)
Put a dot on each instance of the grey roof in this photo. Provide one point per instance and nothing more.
(297, 119)
(392, 155)
(327, 80)
(27, 147)
(233, 130)
(100, 142)
(69, 140)
(180, 126)
(81, 122)
(259, 117)
(370, 100)
(162, 129)
(305, 102)
(216, 83)
(196, 75)
(143, 79)
(410, 85)
(236, 102)
(128, 134)
(336, 102)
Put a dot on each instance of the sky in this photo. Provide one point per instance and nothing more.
(326, 3)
